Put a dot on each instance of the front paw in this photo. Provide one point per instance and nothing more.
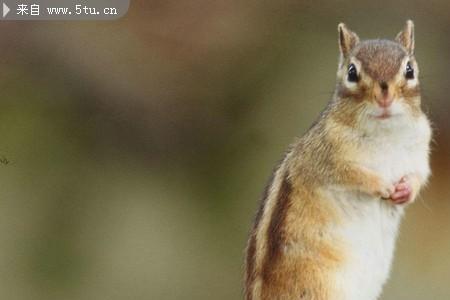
(403, 192)
(384, 189)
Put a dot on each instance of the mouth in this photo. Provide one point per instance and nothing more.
(383, 114)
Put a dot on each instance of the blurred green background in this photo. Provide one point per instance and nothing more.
(139, 148)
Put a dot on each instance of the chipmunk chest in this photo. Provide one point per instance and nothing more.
(393, 162)
(393, 156)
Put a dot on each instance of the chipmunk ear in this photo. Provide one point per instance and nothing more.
(406, 37)
(347, 39)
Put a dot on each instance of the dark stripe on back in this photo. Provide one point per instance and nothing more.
(251, 248)
(275, 234)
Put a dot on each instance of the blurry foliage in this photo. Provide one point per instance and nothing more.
(138, 149)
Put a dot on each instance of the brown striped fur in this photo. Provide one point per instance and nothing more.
(297, 254)
(251, 247)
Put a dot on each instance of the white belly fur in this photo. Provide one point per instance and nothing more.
(368, 236)
(370, 225)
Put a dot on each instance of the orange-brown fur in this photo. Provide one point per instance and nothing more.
(301, 218)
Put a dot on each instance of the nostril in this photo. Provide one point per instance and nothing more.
(383, 86)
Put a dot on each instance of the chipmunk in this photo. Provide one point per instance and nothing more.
(329, 218)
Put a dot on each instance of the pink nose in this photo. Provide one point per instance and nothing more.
(385, 101)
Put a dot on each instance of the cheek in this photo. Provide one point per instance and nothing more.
(351, 91)
(412, 83)
(409, 90)
(404, 105)
(398, 106)
(350, 86)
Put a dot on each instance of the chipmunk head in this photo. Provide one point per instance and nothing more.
(380, 75)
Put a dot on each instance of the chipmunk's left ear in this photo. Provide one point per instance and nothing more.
(406, 37)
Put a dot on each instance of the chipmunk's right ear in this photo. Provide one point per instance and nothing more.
(406, 37)
(347, 40)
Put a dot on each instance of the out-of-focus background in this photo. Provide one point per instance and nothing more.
(138, 149)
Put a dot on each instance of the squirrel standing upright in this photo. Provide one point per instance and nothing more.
(328, 222)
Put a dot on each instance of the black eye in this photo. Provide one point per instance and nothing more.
(352, 74)
(409, 73)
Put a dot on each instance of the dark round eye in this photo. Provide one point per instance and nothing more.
(409, 72)
(352, 74)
